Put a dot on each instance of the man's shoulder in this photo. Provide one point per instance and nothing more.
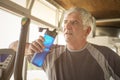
(106, 51)
(100, 47)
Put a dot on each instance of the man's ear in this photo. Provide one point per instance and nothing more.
(88, 30)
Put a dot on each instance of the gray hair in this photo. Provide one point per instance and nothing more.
(87, 18)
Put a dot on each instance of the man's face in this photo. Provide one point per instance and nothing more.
(73, 28)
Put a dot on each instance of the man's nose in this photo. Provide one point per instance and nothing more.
(68, 25)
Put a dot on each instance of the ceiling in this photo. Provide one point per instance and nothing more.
(107, 10)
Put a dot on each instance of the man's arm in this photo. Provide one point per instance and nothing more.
(14, 46)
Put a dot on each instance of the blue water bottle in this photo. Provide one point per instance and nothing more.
(38, 58)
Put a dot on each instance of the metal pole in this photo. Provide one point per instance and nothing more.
(21, 49)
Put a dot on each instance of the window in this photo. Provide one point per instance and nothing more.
(44, 11)
(20, 2)
(9, 29)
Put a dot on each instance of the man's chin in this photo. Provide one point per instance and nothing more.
(67, 39)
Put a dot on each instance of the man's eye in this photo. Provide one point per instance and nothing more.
(74, 22)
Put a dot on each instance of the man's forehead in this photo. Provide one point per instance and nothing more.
(74, 15)
(78, 18)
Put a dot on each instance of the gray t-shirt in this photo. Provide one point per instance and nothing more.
(63, 64)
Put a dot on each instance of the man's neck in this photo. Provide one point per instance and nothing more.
(76, 46)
